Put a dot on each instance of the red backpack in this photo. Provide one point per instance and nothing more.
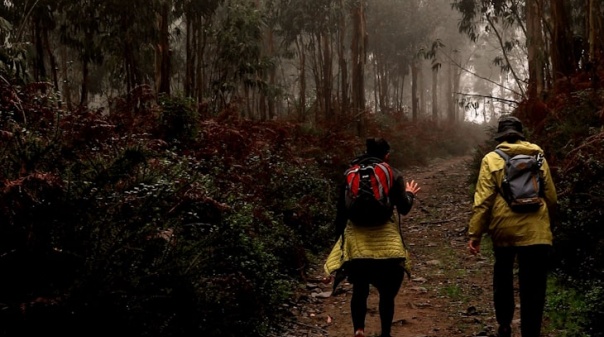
(368, 186)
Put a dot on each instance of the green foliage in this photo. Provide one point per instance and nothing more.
(179, 119)
(118, 226)
(566, 310)
(416, 143)
(572, 133)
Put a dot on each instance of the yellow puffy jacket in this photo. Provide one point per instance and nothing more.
(380, 242)
(491, 213)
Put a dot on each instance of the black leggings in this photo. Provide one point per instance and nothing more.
(386, 276)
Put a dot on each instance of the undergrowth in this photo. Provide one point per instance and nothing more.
(149, 220)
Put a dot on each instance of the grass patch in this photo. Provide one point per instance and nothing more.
(453, 292)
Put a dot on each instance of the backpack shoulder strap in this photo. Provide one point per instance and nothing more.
(370, 160)
(503, 155)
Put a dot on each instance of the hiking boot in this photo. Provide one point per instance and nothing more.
(359, 333)
(504, 331)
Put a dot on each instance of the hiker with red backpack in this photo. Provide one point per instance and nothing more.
(370, 248)
(514, 202)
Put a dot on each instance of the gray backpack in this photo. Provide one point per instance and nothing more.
(522, 185)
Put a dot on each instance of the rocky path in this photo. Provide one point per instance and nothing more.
(449, 292)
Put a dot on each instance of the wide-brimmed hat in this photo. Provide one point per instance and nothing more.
(509, 127)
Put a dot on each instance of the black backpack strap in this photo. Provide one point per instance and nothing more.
(369, 160)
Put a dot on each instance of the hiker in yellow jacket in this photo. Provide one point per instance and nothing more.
(525, 237)
(373, 255)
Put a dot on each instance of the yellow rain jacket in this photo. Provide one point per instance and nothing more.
(491, 213)
(380, 242)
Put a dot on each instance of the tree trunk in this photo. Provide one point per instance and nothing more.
(84, 88)
(66, 92)
(189, 87)
(414, 85)
(435, 94)
(535, 50)
(563, 62)
(272, 76)
(591, 30)
(53, 60)
(40, 68)
(302, 102)
(162, 52)
(450, 102)
(455, 85)
(327, 81)
(342, 61)
(358, 53)
(200, 43)
(421, 89)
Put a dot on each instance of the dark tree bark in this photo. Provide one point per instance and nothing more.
(435, 94)
(342, 61)
(358, 64)
(162, 52)
(563, 62)
(535, 50)
(414, 88)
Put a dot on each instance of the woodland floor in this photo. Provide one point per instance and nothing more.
(449, 292)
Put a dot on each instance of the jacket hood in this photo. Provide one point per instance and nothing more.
(520, 147)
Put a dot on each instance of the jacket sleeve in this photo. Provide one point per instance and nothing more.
(549, 192)
(484, 198)
(402, 199)
(341, 216)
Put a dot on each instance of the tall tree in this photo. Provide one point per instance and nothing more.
(162, 49)
(536, 50)
(563, 62)
(359, 58)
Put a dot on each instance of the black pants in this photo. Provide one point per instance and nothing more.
(386, 276)
(533, 263)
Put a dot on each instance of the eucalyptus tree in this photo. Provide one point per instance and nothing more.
(558, 38)
(198, 16)
(28, 29)
(322, 29)
(291, 19)
(505, 21)
(116, 42)
(314, 30)
(563, 59)
(398, 30)
(80, 30)
(358, 59)
(238, 65)
(130, 38)
(575, 29)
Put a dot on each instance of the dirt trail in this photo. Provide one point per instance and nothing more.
(449, 293)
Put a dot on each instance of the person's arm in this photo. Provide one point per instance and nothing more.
(549, 192)
(484, 197)
(403, 193)
(341, 216)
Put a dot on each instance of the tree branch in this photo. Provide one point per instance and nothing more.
(505, 55)
(488, 96)
(481, 77)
